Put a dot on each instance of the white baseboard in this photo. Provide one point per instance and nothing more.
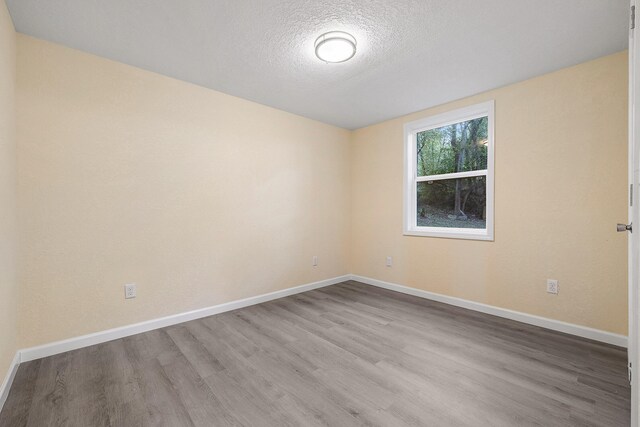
(556, 325)
(8, 380)
(50, 349)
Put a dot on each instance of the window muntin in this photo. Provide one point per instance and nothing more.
(449, 174)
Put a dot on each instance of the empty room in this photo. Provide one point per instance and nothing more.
(305, 213)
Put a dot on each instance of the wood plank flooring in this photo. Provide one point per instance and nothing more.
(345, 355)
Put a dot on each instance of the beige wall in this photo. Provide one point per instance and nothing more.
(198, 197)
(560, 189)
(202, 198)
(8, 271)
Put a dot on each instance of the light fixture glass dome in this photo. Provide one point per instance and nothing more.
(335, 46)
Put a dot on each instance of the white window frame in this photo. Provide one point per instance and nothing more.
(485, 109)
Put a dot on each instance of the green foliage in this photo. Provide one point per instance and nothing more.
(439, 195)
(454, 148)
(458, 147)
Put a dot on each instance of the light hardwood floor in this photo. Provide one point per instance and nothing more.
(345, 355)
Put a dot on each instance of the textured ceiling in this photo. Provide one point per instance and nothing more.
(412, 54)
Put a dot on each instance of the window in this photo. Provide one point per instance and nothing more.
(448, 188)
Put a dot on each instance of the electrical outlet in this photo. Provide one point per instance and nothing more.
(130, 290)
(552, 286)
(314, 260)
(389, 261)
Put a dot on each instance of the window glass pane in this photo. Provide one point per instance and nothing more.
(453, 203)
(459, 147)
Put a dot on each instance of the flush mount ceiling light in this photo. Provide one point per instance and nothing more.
(335, 46)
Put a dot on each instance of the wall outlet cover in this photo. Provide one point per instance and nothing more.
(130, 290)
(552, 286)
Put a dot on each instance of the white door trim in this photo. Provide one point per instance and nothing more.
(634, 218)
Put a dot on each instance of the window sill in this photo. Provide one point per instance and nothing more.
(451, 233)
